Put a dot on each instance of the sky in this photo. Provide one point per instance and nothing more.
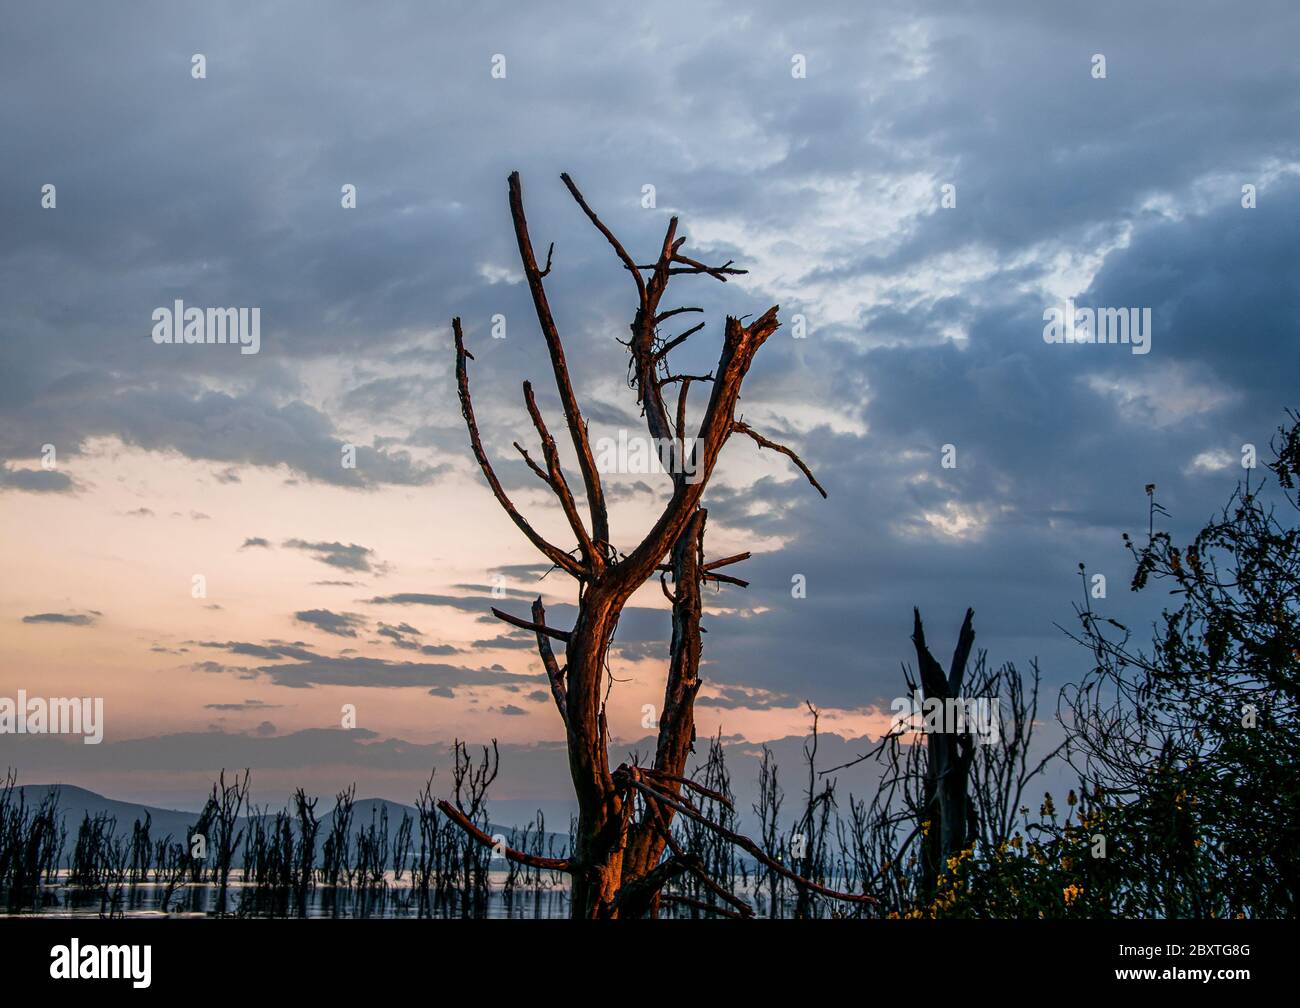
(812, 145)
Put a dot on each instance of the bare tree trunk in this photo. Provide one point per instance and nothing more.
(946, 806)
(617, 862)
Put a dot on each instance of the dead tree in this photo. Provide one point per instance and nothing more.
(950, 817)
(617, 861)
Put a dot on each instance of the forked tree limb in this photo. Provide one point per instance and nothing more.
(556, 555)
(743, 428)
(706, 575)
(961, 654)
(681, 417)
(537, 628)
(619, 250)
(663, 316)
(519, 857)
(695, 786)
(541, 473)
(558, 483)
(572, 414)
(747, 845)
(661, 826)
(740, 344)
(614, 859)
(553, 671)
(634, 897)
(701, 905)
(717, 272)
(677, 341)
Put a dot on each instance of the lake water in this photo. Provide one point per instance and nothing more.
(396, 900)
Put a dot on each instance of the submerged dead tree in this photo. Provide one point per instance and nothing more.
(949, 814)
(617, 862)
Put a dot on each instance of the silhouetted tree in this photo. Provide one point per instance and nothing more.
(1193, 741)
(625, 814)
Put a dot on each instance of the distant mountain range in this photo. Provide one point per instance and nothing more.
(76, 803)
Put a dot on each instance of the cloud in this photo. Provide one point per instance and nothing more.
(351, 557)
(924, 323)
(339, 624)
(255, 542)
(274, 649)
(247, 705)
(34, 480)
(383, 674)
(733, 698)
(307, 669)
(521, 642)
(66, 619)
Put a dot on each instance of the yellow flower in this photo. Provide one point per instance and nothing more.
(1071, 893)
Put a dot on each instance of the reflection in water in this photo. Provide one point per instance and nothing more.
(395, 898)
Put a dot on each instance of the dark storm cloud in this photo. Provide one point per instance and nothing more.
(401, 636)
(521, 642)
(34, 480)
(524, 571)
(338, 624)
(465, 603)
(420, 598)
(274, 649)
(311, 669)
(379, 673)
(215, 426)
(350, 557)
(247, 705)
(925, 322)
(65, 619)
(729, 698)
(398, 630)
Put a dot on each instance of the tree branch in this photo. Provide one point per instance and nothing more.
(553, 553)
(595, 559)
(538, 628)
(519, 857)
(553, 671)
(743, 428)
(572, 414)
(747, 845)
